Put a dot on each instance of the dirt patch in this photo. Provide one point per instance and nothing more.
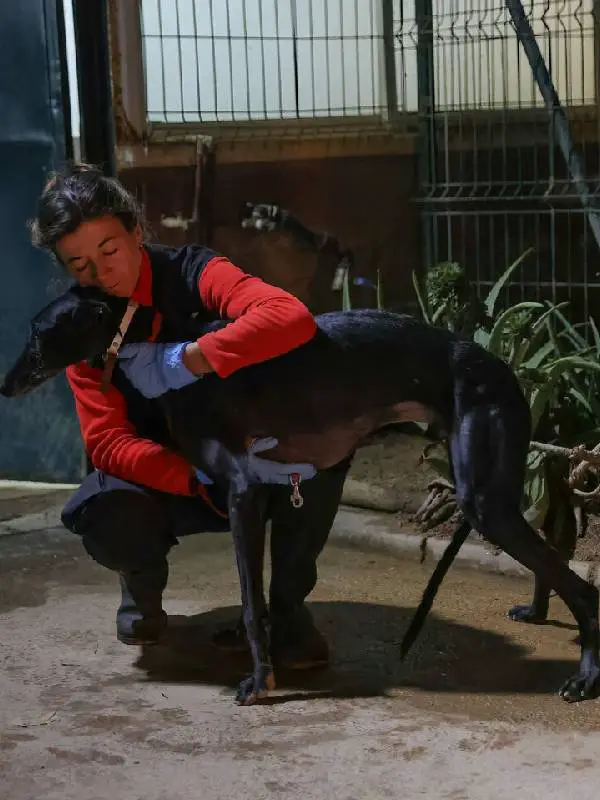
(18, 502)
(588, 548)
(392, 459)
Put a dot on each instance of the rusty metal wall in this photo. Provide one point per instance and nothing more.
(365, 202)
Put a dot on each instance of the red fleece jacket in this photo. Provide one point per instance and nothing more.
(267, 322)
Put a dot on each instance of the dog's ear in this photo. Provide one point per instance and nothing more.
(60, 312)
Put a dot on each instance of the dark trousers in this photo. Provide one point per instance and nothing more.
(130, 528)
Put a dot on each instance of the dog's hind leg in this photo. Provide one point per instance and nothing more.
(537, 610)
(489, 449)
(247, 513)
(560, 531)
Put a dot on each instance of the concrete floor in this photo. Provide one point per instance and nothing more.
(474, 714)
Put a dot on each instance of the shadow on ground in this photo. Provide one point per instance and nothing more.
(449, 657)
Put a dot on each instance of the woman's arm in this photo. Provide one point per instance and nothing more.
(268, 321)
(112, 443)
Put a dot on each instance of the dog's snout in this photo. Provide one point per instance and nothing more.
(10, 385)
(24, 376)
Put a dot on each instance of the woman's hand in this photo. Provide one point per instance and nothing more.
(262, 470)
(252, 466)
(195, 360)
(155, 368)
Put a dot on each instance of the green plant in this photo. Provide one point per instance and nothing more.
(378, 288)
(448, 299)
(557, 369)
(346, 300)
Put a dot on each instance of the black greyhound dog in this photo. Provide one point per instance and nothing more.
(362, 370)
(335, 262)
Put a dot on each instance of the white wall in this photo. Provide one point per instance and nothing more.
(233, 59)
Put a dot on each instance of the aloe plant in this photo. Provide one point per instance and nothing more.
(379, 290)
(346, 299)
(448, 299)
(558, 370)
(360, 281)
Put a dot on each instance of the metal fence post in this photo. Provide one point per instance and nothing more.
(558, 118)
(390, 110)
(93, 76)
(426, 110)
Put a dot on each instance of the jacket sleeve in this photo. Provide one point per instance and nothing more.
(111, 440)
(268, 321)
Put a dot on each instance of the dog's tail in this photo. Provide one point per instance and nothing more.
(441, 568)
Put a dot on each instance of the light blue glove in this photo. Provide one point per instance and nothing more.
(202, 477)
(248, 468)
(154, 368)
(261, 470)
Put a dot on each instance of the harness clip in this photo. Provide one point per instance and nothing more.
(296, 498)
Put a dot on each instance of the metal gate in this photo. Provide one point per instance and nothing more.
(39, 435)
(493, 178)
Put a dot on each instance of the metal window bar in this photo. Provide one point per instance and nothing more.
(493, 179)
(243, 60)
(261, 60)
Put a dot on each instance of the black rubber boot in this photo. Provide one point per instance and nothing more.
(140, 618)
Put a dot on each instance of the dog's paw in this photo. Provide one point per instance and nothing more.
(256, 687)
(527, 613)
(583, 686)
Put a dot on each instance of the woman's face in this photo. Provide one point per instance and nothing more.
(102, 253)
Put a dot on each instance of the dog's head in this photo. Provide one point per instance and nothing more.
(77, 325)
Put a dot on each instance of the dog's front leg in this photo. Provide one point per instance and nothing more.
(247, 519)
